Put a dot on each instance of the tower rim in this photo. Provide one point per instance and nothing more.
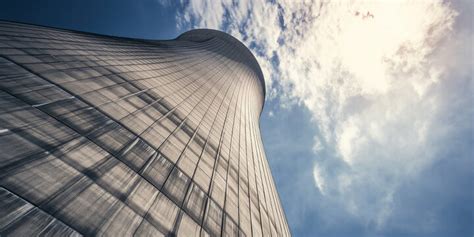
(204, 34)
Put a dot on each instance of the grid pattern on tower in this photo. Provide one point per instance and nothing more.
(116, 136)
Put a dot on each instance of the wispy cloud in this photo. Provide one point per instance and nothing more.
(375, 76)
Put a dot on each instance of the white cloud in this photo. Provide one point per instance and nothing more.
(318, 179)
(372, 73)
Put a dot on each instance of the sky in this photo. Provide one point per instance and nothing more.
(368, 124)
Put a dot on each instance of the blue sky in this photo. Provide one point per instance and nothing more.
(368, 124)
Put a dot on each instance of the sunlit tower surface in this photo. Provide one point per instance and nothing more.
(117, 136)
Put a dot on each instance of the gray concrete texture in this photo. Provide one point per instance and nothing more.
(113, 136)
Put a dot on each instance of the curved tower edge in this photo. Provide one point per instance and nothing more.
(201, 35)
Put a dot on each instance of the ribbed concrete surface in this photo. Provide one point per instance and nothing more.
(113, 136)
